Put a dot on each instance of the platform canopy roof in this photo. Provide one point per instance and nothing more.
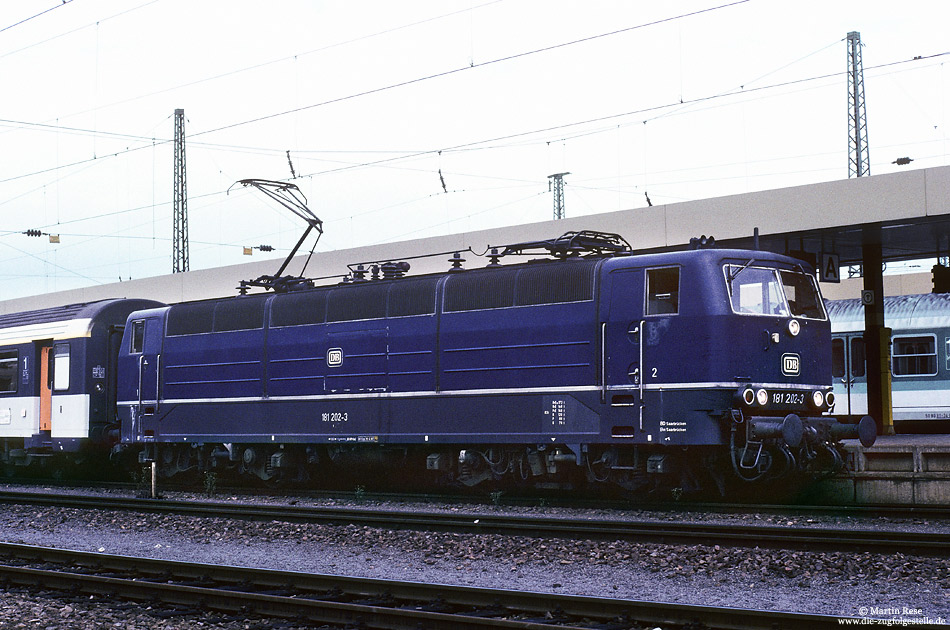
(911, 209)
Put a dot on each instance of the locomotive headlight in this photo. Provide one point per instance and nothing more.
(817, 398)
(830, 399)
(762, 397)
(748, 396)
(794, 327)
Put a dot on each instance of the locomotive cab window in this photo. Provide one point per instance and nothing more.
(914, 356)
(8, 371)
(137, 337)
(802, 295)
(755, 290)
(663, 290)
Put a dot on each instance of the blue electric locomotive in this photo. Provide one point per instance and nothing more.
(616, 367)
(57, 380)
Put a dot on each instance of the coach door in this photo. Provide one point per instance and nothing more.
(46, 389)
(57, 402)
(146, 343)
(849, 371)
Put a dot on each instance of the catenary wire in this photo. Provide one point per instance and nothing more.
(281, 60)
(90, 25)
(467, 146)
(472, 66)
(44, 12)
(406, 83)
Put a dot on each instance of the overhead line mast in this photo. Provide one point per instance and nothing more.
(859, 163)
(558, 181)
(180, 199)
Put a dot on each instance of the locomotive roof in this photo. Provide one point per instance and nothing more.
(926, 311)
(620, 260)
(701, 256)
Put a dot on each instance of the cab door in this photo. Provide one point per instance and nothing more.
(621, 350)
(849, 373)
(145, 342)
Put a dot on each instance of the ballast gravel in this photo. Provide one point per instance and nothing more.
(828, 583)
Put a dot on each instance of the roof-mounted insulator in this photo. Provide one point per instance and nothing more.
(393, 270)
(456, 261)
(359, 274)
(494, 258)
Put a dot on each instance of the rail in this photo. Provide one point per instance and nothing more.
(817, 537)
(365, 602)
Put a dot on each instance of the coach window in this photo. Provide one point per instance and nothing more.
(858, 358)
(8, 371)
(663, 291)
(138, 336)
(947, 343)
(915, 356)
(837, 358)
(60, 366)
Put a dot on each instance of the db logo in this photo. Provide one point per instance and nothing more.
(791, 364)
(334, 357)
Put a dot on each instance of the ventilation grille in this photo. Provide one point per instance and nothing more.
(412, 297)
(544, 283)
(243, 313)
(366, 301)
(297, 309)
(190, 318)
(475, 290)
(553, 284)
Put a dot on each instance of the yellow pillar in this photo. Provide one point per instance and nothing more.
(887, 406)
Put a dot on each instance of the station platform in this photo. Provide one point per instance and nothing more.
(911, 469)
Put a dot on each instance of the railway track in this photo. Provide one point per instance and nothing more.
(358, 602)
(735, 534)
(528, 500)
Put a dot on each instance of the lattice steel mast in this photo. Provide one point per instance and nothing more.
(558, 179)
(180, 199)
(859, 163)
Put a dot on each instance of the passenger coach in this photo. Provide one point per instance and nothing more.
(920, 358)
(57, 378)
(617, 368)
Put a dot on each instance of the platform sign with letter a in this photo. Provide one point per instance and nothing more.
(830, 268)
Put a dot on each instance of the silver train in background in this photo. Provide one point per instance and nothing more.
(920, 359)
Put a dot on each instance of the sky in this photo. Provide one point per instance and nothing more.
(421, 118)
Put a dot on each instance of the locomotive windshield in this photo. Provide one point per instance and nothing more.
(767, 291)
(802, 295)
